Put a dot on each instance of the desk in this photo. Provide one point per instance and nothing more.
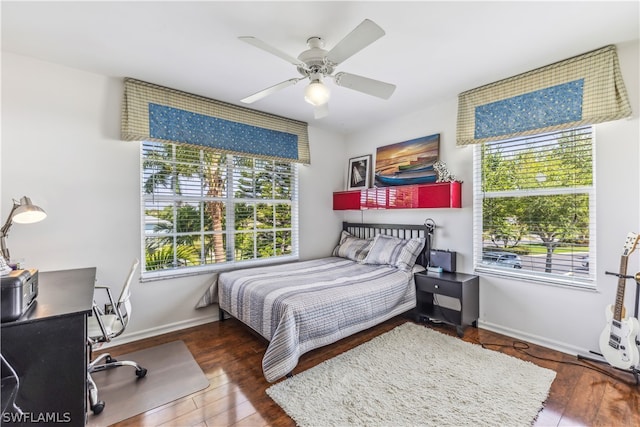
(47, 347)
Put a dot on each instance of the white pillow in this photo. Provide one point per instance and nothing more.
(351, 247)
(396, 252)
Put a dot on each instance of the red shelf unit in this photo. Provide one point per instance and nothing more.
(438, 195)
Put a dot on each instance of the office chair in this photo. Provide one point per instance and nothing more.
(104, 326)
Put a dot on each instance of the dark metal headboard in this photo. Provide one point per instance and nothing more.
(402, 231)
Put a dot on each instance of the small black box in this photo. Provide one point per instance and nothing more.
(19, 290)
(443, 259)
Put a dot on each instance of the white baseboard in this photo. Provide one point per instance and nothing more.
(516, 334)
(535, 339)
(164, 329)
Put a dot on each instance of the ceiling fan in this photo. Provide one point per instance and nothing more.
(316, 64)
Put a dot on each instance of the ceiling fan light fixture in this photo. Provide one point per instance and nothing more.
(317, 93)
(317, 64)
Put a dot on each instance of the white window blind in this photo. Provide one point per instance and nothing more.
(205, 210)
(534, 207)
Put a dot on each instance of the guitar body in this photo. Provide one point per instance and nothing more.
(618, 341)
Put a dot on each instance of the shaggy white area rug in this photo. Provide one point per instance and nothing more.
(415, 376)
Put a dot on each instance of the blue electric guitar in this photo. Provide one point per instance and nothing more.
(618, 339)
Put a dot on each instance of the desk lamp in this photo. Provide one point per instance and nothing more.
(22, 212)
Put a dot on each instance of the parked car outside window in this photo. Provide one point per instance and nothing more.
(584, 260)
(502, 259)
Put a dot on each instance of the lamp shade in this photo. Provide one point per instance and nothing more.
(316, 93)
(27, 212)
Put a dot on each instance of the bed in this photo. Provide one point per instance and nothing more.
(304, 305)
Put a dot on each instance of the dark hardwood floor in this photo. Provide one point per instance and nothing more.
(230, 355)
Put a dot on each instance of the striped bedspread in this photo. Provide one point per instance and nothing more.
(305, 305)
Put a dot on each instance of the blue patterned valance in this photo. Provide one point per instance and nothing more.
(173, 124)
(587, 89)
(534, 110)
(156, 113)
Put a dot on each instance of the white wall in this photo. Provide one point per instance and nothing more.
(566, 319)
(61, 147)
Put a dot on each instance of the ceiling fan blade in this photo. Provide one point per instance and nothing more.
(268, 91)
(365, 85)
(362, 36)
(321, 111)
(272, 50)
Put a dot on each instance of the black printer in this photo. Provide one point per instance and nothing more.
(18, 293)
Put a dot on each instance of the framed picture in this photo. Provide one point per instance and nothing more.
(359, 173)
(407, 162)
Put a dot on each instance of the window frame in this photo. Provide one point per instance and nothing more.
(584, 283)
(229, 201)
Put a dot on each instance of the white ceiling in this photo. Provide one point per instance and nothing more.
(432, 50)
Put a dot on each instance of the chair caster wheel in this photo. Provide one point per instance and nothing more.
(98, 407)
(140, 373)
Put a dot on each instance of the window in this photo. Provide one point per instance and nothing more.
(203, 209)
(534, 207)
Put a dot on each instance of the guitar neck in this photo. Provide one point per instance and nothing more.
(617, 312)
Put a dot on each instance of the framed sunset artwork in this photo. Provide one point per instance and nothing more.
(407, 162)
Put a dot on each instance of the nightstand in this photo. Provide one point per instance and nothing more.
(463, 287)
